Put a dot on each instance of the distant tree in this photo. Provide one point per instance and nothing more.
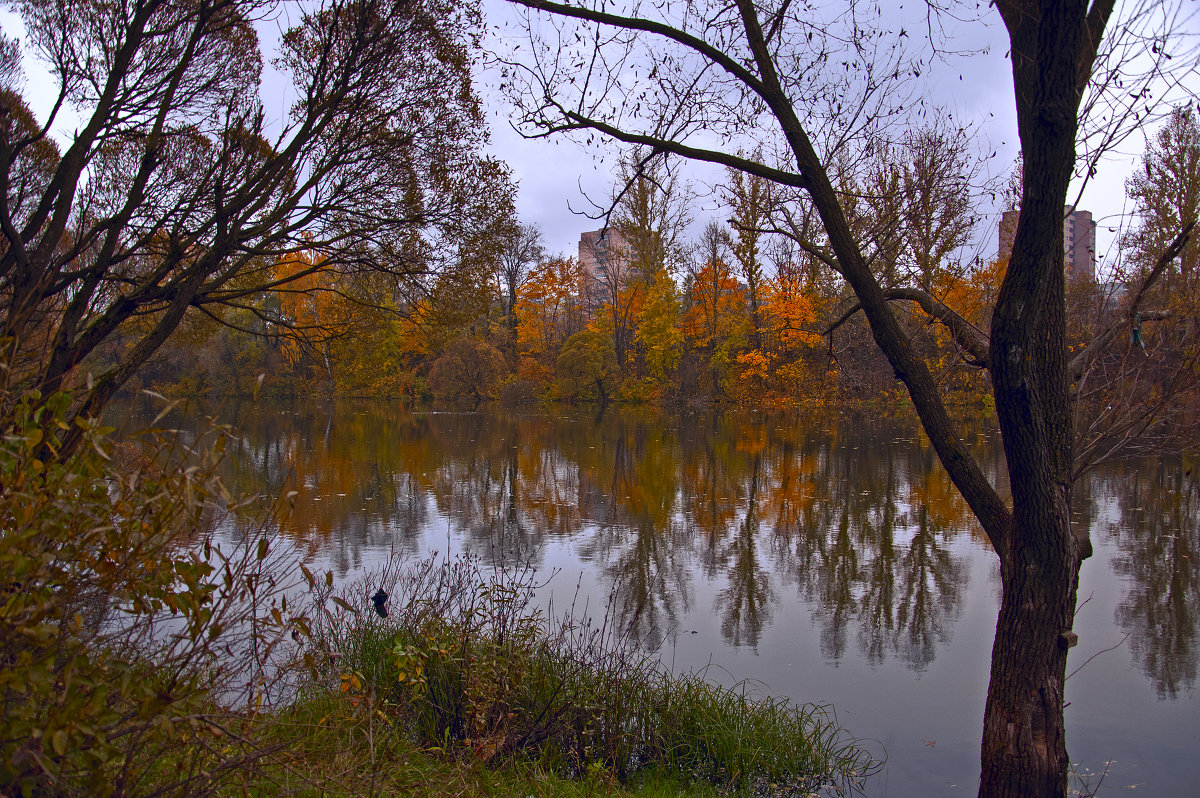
(652, 212)
(749, 200)
(467, 369)
(659, 333)
(547, 312)
(715, 314)
(1166, 195)
(522, 248)
(938, 210)
(588, 360)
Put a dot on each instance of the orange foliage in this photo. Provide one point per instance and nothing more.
(544, 303)
(790, 313)
(717, 305)
(311, 303)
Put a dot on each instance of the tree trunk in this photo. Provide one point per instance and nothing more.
(1024, 737)
(1024, 749)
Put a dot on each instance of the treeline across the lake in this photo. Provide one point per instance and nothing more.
(752, 312)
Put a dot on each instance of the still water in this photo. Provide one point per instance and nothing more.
(828, 558)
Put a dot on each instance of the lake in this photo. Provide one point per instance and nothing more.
(826, 557)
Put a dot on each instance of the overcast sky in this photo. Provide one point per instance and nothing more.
(552, 174)
(556, 176)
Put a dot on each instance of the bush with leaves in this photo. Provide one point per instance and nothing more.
(123, 630)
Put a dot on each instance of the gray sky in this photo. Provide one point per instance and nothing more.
(978, 89)
(554, 175)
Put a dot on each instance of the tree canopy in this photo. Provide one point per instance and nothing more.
(179, 192)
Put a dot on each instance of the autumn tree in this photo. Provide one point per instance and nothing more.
(937, 216)
(548, 313)
(1166, 195)
(467, 369)
(614, 293)
(588, 360)
(650, 215)
(715, 314)
(177, 192)
(1142, 385)
(521, 249)
(659, 332)
(749, 201)
(822, 85)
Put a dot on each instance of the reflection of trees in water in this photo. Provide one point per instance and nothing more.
(844, 546)
(478, 488)
(745, 603)
(1157, 535)
(630, 475)
(711, 477)
(852, 514)
(647, 569)
(932, 584)
(350, 497)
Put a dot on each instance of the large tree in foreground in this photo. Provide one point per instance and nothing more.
(822, 87)
(181, 191)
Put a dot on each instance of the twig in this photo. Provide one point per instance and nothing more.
(1118, 644)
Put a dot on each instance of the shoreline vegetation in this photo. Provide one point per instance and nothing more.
(141, 657)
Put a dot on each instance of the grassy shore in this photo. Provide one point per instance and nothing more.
(466, 689)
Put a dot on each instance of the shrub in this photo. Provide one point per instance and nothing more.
(118, 623)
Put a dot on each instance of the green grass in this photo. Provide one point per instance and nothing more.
(327, 746)
(465, 674)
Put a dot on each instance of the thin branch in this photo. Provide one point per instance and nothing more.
(1080, 363)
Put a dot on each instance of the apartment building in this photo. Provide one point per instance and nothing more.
(1079, 241)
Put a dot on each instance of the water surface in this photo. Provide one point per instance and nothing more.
(827, 557)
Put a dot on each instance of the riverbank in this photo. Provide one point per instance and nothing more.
(465, 686)
(146, 652)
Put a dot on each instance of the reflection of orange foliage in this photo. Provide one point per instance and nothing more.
(789, 496)
(946, 506)
(751, 438)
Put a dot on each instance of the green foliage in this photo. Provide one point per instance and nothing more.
(112, 614)
(658, 333)
(588, 360)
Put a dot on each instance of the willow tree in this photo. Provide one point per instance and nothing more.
(822, 86)
(180, 192)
